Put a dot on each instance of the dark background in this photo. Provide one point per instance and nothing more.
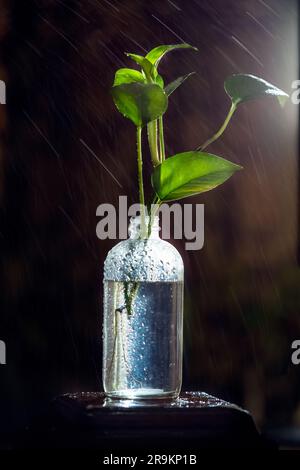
(58, 59)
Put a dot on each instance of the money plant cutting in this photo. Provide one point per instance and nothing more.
(144, 275)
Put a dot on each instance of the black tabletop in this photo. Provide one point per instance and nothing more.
(194, 421)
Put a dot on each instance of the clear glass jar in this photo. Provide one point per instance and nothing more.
(143, 317)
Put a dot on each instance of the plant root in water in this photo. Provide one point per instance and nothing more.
(130, 291)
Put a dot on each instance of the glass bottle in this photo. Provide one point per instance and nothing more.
(143, 317)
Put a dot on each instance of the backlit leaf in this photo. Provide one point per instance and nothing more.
(156, 54)
(190, 173)
(140, 102)
(148, 68)
(123, 76)
(243, 88)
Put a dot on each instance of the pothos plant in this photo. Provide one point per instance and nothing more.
(142, 96)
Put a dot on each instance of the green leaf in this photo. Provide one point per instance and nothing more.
(159, 80)
(176, 83)
(138, 59)
(128, 76)
(190, 173)
(140, 102)
(156, 54)
(243, 88)
(148, 68)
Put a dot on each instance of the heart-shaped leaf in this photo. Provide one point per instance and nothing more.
(123, 76)
(156, 54)
(176, 83)
(190, 173)
(242, 87)
(140, 102)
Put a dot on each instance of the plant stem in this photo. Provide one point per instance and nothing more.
(153, 209)
(221, 130)
(161, 140)
(152, 139)
(140, 177)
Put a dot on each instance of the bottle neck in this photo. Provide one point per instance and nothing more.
(135, 227)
